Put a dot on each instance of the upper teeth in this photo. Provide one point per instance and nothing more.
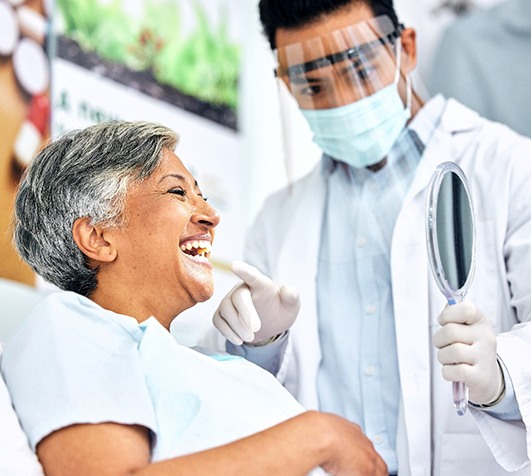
(202, 246)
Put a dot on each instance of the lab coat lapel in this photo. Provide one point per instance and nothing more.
(304, 234)
(410, 294)
(302, 246)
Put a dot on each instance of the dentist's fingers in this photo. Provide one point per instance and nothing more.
(467, 351)
(457, 373)
(236, 317)
(454, 333)
(222, 326)
(243, 303)
(289, 297)
(231, 316)
(457, 354)
(249, 274)
(457, 362)
(460, 313)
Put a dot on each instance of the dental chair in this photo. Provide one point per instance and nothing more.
(16, 456)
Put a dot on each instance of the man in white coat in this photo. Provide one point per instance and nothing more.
(373, 340)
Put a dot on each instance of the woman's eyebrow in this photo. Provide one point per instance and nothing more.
(176, 176)
(179, 177)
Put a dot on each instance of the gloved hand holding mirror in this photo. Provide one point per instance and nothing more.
(466, 340)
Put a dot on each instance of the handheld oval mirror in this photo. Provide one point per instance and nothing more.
(451, 240)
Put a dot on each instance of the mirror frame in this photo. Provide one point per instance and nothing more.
(451, 294)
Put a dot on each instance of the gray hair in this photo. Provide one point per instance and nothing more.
(84, 173)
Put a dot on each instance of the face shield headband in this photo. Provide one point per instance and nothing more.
(342, 66)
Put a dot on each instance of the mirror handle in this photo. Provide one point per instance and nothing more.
(460, 393)
(459, 389)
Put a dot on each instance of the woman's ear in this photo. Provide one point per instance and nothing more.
(408, 40)
(93, 241)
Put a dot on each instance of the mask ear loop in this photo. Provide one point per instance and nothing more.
(409, 93)
(398, 60)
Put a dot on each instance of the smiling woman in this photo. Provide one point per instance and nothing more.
(110, 215)
(164, 212)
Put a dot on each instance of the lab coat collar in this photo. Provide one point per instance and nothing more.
(454, 119)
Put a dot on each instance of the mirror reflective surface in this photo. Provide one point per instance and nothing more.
(450, 233)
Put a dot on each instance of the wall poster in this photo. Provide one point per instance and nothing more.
(176, 62)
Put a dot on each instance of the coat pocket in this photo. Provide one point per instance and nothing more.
(468, 455)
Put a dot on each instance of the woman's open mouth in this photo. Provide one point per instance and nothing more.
(197, 248)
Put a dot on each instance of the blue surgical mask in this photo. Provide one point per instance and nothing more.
(362, 133)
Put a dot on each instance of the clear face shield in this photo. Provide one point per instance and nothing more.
(342, 66)
(345, 83)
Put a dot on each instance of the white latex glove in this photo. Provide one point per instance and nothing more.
(467, 351)
(257, 309)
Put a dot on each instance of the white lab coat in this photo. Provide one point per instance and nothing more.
(432, 438)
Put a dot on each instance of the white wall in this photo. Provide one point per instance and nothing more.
(261, 124)
(429, 21)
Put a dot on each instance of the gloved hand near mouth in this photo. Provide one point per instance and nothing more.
(257, 309)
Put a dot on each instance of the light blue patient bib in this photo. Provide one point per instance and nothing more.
(74, 362)
(204, 401)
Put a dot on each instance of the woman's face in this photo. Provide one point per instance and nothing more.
(163, 250)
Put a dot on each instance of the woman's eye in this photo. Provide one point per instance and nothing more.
(178, 191)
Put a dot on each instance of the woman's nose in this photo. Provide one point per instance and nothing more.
(206, 215)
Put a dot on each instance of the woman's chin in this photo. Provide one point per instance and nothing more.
(200, 280)
(201, 288)
(206, 293)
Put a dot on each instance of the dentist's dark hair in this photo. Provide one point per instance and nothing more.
(275, 14)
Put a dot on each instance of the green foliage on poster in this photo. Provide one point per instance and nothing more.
(202, 61)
